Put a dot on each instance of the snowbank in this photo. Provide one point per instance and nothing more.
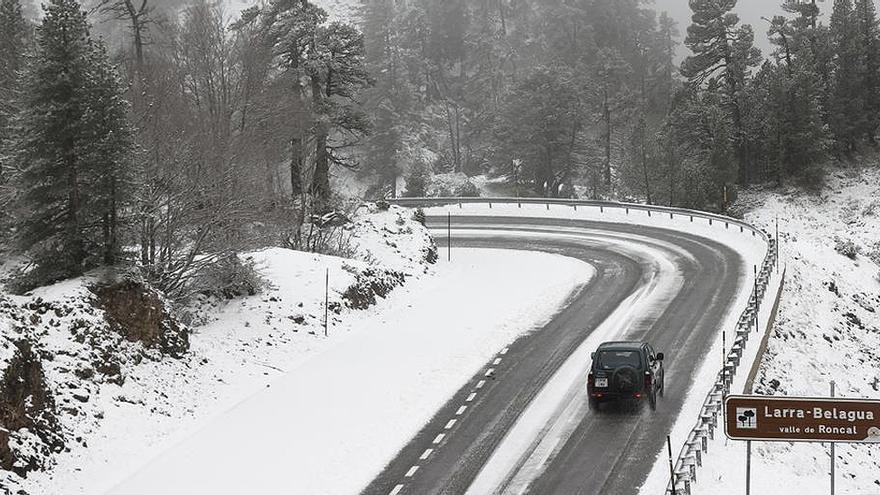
(336, 415)
(828, 328)
(117, 401)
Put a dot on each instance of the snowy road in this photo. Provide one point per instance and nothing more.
(525, 428)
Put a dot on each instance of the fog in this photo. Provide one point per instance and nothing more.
(750, 12)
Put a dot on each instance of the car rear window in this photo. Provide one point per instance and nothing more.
(610, 360)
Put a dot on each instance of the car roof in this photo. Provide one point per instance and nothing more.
(622, 345)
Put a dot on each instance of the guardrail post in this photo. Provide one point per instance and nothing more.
(710, 221)
(575, 207)
(601, 209)
(726, 225)
(649, 213)
(548, 206)
(670, 215)
(627, 210)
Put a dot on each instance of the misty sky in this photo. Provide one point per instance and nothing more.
(750, 12)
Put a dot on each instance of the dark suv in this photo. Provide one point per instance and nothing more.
(625, 371)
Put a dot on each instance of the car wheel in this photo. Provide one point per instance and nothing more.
(652, 399)
(594, 405)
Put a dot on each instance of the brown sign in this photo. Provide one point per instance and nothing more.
(797, 419)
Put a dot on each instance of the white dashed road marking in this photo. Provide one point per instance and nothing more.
(470, 398)
(504, 351)
(411, 472)
(396, 490)
(439, 438)
(490, 372)
(496, 362)
(450, 424)
(460, 411)
(426, 454)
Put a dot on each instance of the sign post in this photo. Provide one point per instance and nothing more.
(832, 449)
(748, 467)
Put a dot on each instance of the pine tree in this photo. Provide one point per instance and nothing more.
(724, 52)
(331, 59)
(869, 65)
(791, 124)
(845, 114)
(72, 142)
(390, 100)
(540, 128)
(338, 75)
(13, 31)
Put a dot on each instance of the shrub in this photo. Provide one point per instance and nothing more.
(418, 180)
(874, 253)
(467, 190)
(369, 284)
(419, 216)
(812, 178)
(847, 248)
(230, 277)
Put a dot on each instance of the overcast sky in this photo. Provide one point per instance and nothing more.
(750, 12)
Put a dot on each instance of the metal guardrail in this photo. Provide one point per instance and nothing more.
(712, 218)
(691, 455)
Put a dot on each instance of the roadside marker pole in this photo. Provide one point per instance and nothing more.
(448, 236)
(671, 466)
(756, 288)
(326, 300)
(757, 306)
(723, 363)
(833, 459)
(777, 243)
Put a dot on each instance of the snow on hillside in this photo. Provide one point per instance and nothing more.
(115, 400)
(828, 328)
(337, 414)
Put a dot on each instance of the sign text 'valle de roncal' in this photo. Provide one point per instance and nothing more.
(795, 419)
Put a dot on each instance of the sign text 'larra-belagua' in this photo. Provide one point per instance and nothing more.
(796, 419)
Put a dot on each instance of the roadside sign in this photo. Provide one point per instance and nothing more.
(801, 419)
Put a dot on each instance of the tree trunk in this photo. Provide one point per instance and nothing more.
(296, 166)
(606, 116)
(321, 179)
(75, 247)
(644, 159)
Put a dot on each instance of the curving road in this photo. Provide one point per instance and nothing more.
(526, 428)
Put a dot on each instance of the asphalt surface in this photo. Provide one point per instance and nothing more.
(607, 453)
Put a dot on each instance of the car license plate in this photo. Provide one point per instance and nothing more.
(601, 382)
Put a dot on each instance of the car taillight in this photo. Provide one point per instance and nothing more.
(590, 381)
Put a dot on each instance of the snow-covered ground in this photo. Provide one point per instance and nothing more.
(117, 401)
(262, 374)
(828, 328)
(336, 415)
